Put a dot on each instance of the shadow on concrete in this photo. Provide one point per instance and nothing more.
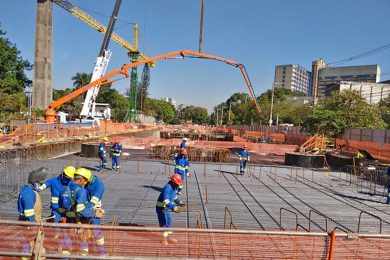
(159, 189)
(232, 173)
(91, 168)
(357, 198)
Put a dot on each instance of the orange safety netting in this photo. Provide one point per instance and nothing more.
(194, 243)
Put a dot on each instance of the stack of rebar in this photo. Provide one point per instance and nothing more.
(212, 136)
(194, 154)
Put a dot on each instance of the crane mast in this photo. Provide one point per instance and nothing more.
(89, 107)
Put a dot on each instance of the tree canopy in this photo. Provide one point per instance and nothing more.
(346, 109)
(195, 114)
(160, 109)
(12, 79)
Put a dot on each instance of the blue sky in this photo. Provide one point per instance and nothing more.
(258, 33)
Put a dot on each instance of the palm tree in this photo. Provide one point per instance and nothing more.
(81, 79)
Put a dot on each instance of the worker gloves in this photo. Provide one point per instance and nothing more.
(179, 209)
(99, 212)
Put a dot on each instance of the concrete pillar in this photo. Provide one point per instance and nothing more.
(42, 84)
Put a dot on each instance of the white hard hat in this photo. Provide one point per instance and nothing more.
(185, 139)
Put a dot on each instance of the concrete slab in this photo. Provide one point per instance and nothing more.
(265, 198)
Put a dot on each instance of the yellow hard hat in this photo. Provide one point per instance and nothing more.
(69, 171)
(105, 138)
(84, 172)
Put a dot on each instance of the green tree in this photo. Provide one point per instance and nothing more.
(384, 107)
(81, 79)
(12, 67)
(12, 79)
(197, 115)
(117, 101)
(160, 109)
(346, 109)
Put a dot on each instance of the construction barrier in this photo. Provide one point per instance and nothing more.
(119, 242)
(42, 132)
(377, 150)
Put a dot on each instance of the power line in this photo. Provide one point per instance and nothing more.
(362, 55)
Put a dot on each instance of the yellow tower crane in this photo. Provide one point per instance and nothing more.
(93, 23)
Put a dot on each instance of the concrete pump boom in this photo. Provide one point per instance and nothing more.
(50, 114)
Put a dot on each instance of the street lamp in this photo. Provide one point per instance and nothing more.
(272, 102)
(28, 92)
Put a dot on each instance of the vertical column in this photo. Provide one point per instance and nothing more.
(42, 85)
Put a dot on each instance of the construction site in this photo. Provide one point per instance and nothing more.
(301, 196)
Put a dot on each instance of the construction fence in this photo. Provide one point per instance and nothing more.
(380, 136)
(41, 133)
(119, 242)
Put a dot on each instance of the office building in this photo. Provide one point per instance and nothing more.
(326, 79)
(373, 93)
(293, 77)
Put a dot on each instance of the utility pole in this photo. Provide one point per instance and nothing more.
(217, 122)
(201, 29)
(272, 104)
(221, 115)
(230, 109)
(28, 92)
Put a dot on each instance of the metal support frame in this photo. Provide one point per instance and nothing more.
(372, 215)
(292, 212)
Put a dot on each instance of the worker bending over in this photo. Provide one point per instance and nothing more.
(244, 157)
(116, 151)
(85, 211)
(30, 206)
(166, 204)
(57, 186)
(29, 200)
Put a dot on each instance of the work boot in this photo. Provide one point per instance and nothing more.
(171, 240)
(164, 241)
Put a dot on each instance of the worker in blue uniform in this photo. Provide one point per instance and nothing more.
(95, 188)
(102, 154)
(29, 201)
(85, 211)
(166, 204)
(57, 186)
(116, 151)
(182, 164)
(30, 205)
(182, 169)
(184, 143)
(244, 157)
